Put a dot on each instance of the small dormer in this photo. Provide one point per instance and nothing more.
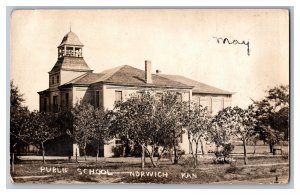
(70, 46)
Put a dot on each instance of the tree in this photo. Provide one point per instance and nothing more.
(148, 121)
(133, 120)
(41, 128)
(102, 120)
(220, 133)
(171, 112)
(240, 123)
(198, 123)
(84, 124)
(273, 115)
(18, 120)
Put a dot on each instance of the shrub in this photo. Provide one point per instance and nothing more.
(180, 153)
(188, 162)
(222, 157)
(117, 150)
(232, 169)
(285, 155)
(273, 170)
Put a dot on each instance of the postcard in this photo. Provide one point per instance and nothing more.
(163, 96)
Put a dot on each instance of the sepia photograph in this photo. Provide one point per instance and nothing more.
(149, 96)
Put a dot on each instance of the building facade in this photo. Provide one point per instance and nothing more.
(72, 80)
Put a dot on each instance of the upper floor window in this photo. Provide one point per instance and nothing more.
(52, 79)
(57, 79)
(118, 96)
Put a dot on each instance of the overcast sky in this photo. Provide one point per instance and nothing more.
(176, 41)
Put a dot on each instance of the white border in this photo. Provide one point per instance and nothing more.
(177, 3)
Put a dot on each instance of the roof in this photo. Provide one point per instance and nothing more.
(198, 86)
(46, 91)
(71, 63)
(126, 75)
(70, 39)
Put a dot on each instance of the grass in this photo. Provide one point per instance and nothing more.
(261, 169)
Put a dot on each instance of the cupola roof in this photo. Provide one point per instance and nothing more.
(71, 39)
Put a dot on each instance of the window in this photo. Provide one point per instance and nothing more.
(52, 80)
(139, 94)
(179, 97)
(55, 104)
(118, 142)
(97, 99)
(67, 99)
(45, 105)
(57, 79)
(118, 96)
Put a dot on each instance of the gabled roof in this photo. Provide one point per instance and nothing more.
(71, 63)
(70, 39)
(198, 86)
(126, 75)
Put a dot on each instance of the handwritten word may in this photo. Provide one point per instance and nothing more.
(221, 40)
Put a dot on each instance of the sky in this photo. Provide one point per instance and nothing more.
(177, 41)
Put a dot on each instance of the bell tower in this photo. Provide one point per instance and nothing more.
(70, 46)
(70, 63)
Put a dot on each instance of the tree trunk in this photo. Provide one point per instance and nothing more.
(43, 152)
(151, 158)
(271, 148)
(254, 148)
(175, 154)
(202, 147)
(76, 154)
(84, 147)
(97, 155)
(196, 156)
(159, 156)
(84, 151)
(143, 158)
(245, 152)
(170, 154)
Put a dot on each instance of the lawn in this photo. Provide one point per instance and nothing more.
(260, 169)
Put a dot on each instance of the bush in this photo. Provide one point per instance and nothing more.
(273, 169)
(232, 169)
(188, 162)
(222, 157)
(180, 153)
(117, 150)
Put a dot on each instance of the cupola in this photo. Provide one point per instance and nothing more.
(70, 46)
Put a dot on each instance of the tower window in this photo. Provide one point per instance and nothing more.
(52, 80)
(57, 79)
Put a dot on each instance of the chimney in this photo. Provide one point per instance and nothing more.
(148, 77)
